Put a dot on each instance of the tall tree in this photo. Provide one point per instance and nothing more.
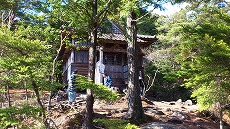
(26, 57)
(27, 54)
(201, 54)
(135, 111)
(91, 73)
(90, 16)
(131, 8)
(206, 53)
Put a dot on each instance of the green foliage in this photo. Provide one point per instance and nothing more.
(115, 124)
(14, 116)
(204, 56)
(162, 62)
(194, 50)
(128, 6)
(101, 91)
(81, 22)
(146, 25)
(26, 56)
(166, 86)
(210, 73)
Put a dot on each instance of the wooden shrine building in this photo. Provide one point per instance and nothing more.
(111, 56)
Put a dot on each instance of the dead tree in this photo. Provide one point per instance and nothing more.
(149, 83)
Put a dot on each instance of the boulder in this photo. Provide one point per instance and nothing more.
(115, 90)
(188, 102)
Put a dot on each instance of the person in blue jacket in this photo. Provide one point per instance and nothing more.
(71, 87)
(107, 80)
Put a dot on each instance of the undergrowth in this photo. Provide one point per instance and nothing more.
(114, 124)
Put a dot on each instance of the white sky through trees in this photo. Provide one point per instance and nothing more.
(169, 9)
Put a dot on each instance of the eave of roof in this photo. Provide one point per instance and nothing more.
(146, 36)
(119, 37)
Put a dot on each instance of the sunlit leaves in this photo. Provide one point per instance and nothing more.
(26, 54)
(200, 48)
(101, 91)
(13, 115)
(208, 53)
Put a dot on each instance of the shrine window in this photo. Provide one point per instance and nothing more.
(82, 57)
(112, 59)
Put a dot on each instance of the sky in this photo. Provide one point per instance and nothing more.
(169, 9)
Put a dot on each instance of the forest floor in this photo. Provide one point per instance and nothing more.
(161, 114)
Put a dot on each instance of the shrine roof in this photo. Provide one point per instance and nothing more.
(120, 37)
(110, 31)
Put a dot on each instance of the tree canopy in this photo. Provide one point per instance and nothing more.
(197, 42)
(193, 50)
(205, 56)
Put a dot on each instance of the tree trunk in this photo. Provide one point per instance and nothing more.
(221, 117)
(135, 111)
(8, 95)
(26, 92)
(37, 94)
(63, 37)
(35, 87)
(88, 123)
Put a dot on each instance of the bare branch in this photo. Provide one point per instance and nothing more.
(86, 11)
(102, 20)
(147, 12)
(148, 86)
(105, 9)
(55, 59)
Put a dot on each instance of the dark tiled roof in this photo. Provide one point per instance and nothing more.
(119, 37)
(111, 31)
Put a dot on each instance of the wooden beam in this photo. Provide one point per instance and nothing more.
(114, 50)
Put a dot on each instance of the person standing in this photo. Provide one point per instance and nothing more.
(72, 88)
(107, 80)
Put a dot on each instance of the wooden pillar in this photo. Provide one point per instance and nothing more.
(100, 68)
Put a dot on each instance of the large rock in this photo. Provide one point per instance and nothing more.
(180, 115)
(159, 125)
(152, 111)
(188, 102)
(179, 101)
(115, 90)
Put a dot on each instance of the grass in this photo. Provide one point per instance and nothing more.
(115, 124)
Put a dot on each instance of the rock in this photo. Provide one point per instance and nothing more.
(115, 90)
(158, 125)
(179, 101)
(61, 96)
(175, 121)
(180, 115)
(83, 96)
(152, 111)
(188, 102)
(149, 110)
(172, 103)
(148, 101)
(160, 113)
(125, 91)
(168, 109)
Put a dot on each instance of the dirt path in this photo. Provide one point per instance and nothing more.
(162, 115)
